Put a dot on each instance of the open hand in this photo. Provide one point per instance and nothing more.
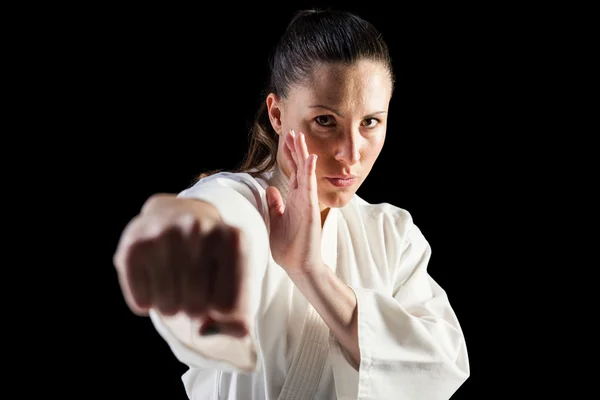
(295, 233)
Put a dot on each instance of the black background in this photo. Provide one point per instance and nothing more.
(172, 91)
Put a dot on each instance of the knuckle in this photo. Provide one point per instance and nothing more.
(168, 309)
(194, 308)
(155, 200)
(228, 302)
(235, 236)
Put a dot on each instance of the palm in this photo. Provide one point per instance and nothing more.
(295, 227)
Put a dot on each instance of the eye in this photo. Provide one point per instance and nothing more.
(324, 120)
(373, 122)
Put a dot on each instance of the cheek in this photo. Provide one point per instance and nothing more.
(291, 120)
(315, 145)
(374, 146)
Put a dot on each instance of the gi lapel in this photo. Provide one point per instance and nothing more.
(304, 375)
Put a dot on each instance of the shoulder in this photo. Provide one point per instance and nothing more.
(392, 229)
(229, 188)
(391, 218)
(242, 182)
(234, 180)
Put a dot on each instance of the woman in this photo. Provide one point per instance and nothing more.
(277, 281)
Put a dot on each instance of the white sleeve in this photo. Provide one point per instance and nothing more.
(238, 199)
(411, 343)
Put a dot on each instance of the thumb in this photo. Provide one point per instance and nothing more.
(275, 202)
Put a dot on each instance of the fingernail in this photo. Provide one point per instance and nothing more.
(292, 133)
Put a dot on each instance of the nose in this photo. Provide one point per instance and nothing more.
(348, 149)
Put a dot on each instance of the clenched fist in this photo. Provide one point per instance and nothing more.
(178, 256)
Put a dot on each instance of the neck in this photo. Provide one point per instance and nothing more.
(324, 214)
(280, 180)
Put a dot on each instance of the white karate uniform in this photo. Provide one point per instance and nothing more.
(411, 343)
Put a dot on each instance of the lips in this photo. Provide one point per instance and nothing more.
(342, 180)
(342, 177)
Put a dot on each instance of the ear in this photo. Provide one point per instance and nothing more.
(274, 109)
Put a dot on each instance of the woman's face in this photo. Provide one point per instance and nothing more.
(342, 112)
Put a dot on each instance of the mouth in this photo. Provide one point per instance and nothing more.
(342, 180)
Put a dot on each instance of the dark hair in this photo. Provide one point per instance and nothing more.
(312, 37)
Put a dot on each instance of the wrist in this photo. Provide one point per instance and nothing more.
(309, 274)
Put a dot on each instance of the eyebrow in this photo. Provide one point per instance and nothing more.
(342, 115)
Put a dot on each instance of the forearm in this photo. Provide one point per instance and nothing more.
(336, 304)
(202, 210)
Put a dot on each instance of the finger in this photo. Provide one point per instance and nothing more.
(311, 179)
(303, 153)
(287, 154)
(151, 251)
(303, 149)
(172, 257)
(275, 202)
(195, 277)
(294, 180)
(311, 166)
(135, 293)
(291, 147)
(131, 271)
(151, 261)
(230, 273)
(299, 156)
(139, 284)
(291, 143)
(135, 280)
(132, 232)
(162, 257)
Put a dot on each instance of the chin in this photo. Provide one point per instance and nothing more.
(336, 199)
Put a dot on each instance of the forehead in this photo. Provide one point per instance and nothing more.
(365, 82)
